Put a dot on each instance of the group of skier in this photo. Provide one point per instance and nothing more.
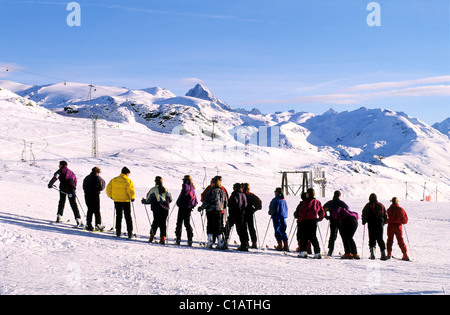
(224, 211)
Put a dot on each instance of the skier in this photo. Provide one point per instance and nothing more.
(237, 205)
(278, 209)
(223, 217)
(374, 214)
(121, 190)
(310, 213)
(215, 201)
(333, 223)
(186, 202)
(296, 212)
(159, 199)
(67, 188)
(396, 218)
(93, 184)
(253, 204)
(347, 222)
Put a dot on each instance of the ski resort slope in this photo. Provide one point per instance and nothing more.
(37, 257)
(40, 258)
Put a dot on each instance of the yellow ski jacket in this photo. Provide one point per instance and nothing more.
(121, 189)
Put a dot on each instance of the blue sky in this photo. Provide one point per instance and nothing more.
(273, 55)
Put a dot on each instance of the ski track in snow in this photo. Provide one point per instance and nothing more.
(42, 258)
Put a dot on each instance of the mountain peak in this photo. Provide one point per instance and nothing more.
(202, 92)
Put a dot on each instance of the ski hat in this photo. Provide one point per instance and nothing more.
(394, 200)
(125, 170)
(96, 170)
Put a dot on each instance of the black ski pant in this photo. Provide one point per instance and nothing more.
(348, 227)
(241, 228)
(71, 193)
(159, 221)
(123, 209)
(308, 229)
(93, 208)
(250, 221)
(375, 228)
(334, 228)
(184, 217)
(214, 224)
(231, 221)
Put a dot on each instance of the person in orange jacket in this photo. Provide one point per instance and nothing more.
(396, 218)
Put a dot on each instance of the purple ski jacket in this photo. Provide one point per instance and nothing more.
(187, 198)
(66, 178)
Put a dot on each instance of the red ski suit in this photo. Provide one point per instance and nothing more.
(396, 218)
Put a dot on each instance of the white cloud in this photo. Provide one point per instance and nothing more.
(365, 92)
(429, 90)
(399, 84)
(190, 81)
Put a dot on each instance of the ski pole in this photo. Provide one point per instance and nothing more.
(70, 196)
(290, 231)
(264, 240)
(63, 192)
(195, 229)
(326, 235)
(149, 220)
(168, 217)
(229, 235)
(320, 234)
(407, 238)
(81, 207)
(135, 221)
(113, 228)
(148, 216)
(203, 227)
(256, 229)
(362, 249)
(292, 238)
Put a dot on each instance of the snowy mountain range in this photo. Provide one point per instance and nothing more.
(363, 140)
(363, 132)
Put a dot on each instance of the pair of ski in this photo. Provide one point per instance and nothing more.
(80, 227)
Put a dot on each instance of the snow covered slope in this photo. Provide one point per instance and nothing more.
(374, 144)
(37, 257)
(443, 126)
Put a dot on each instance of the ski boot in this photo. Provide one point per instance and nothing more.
(286, 246)
(79, 223)
(210, 241)
(383, 255)
(220, 243)
(303, 255)
(347, 256)
(279, 246)
(372, 253)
